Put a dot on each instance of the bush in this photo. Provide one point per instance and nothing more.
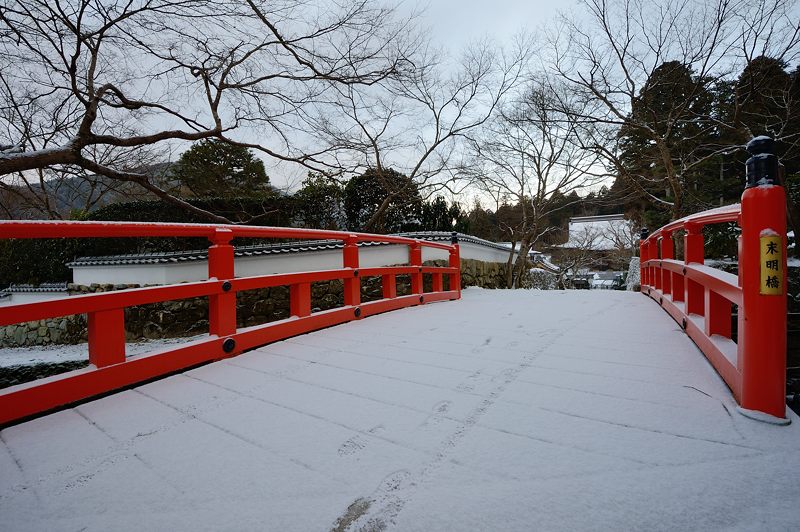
(542, 279)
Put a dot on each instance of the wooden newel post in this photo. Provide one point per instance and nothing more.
(221, 307)
(694, 252)
(352, 285)
(455, 262)
(762, 267)
(415, 259)
(107, 337)
(667, 252)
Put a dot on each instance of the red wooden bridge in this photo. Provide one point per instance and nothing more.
(503, 410)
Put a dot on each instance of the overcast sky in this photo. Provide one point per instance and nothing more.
(453, 25)
(456, 22)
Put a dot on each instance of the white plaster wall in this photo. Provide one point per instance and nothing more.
(369, 257)
(483, 253)
(142, 274)
(18, 298)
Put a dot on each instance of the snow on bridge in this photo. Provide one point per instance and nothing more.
(507, 410)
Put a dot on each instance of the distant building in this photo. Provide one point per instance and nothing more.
(26, 293)
(604, 242)
(600, 233)
(607, 281)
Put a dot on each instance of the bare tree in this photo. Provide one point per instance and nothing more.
(611, 54)
(96, 85)
(416, 123)
(578, 255)
(533, 156)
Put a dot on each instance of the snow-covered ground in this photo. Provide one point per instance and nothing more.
(508, 410)
(53, 354)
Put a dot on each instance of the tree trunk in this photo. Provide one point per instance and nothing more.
(510, 266)
(522, 259)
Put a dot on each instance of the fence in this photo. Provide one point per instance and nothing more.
(110, 369)
(701, 298)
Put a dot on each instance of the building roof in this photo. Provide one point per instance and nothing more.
(30, 288)
(263, 249)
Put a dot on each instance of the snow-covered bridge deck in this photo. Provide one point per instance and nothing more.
(507, 410)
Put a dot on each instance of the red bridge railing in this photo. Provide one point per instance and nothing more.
(700, 298)
(110, 369)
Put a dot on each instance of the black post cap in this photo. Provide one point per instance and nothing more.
(644, 233)
(454, 238)
(759, 145)
(763, 165)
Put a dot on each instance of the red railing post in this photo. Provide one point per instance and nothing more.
(657, 269)
(762, 263)
(667, 252)
(300, 299)
(678, 282)
(717, 314)
(437, 282)
(389, 286)
(415, 259)
(106, 337)
(221, 307)
(352, 285)
(455, 262)
(693, 251)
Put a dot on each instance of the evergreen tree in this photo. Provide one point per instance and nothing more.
(320, 203)
(437, 215)
(214, 168)
(367, 194)
(666, 145)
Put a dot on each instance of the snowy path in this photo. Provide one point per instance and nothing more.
(505, 411)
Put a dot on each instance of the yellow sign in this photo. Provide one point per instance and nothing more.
(771, 265)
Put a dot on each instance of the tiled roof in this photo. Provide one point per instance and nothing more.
(44, 287)
(263, 249)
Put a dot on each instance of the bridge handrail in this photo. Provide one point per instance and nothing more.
(110, 369)
(727, 213)
(700, 298)
(76, 229)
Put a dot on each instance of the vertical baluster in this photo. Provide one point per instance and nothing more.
(437, 282)
(221, 307)
(667, 252)
(300, 299)
(415, 259)
(657, 268)
(717, 314)
(694, 252)
(455, 262)
(352, 285)
(107, 337)
(389, 286)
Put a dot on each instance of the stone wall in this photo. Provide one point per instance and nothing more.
(189, 317)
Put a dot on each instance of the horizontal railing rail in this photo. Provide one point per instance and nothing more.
(701, 298)
(109, 367)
